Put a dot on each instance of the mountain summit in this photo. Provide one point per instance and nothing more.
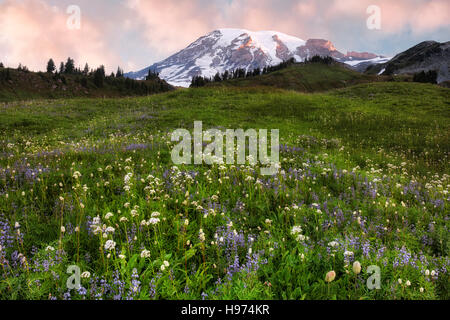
(229, 49)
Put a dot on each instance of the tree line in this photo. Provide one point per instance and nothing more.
(426, 77)
(68, 67)
(200, 81)
(88, 77)
(5, 74)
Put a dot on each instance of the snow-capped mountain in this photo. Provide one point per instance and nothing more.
(229, 49)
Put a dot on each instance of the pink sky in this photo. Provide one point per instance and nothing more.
(137, 33)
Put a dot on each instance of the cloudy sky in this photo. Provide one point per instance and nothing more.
(137, 33)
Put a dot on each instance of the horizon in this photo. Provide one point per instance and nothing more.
(33, 31)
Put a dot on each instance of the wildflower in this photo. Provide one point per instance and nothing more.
(122, 256)
(201, 236)
(186, 222)
(110, 230)
(86, 275)
(110, 245)
(63, 229)
(127, 178)
(408, 283)
(399, 281)
(145, 254)
(421, 290)
(76, 174)
(296, 229)
(333, 244)
(330, 276)
(123, 219)
(49, 248)
(153, 221)
(97, 230)
(357, 267)
(109, 215)
(96, 220)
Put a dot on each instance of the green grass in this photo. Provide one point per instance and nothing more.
(311, 77)
(372, 157)
(28, 85)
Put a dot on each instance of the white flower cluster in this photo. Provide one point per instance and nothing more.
(110, 245)
(297, 231)
(127, 181)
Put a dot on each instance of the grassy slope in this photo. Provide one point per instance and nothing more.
(310, 77)
(368, 125)
(410, 118)
(39, 85)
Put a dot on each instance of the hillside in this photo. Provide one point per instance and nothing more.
(22, 85)
(426, 56)
(363, 176)
(309, 77)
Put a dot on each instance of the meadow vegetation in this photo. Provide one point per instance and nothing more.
(364, 180)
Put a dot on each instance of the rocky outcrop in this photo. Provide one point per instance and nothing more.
(426, 56)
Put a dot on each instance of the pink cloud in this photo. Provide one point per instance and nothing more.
(171, 25)
(417, 15)
(177, 23)
(431, 16)
(31, 32)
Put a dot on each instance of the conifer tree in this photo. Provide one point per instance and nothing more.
(99, 76)
(51, 67)
(86, 69)
(119, 73)
(69, 67)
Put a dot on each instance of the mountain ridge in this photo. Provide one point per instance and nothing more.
(229, 49)
(425, 56)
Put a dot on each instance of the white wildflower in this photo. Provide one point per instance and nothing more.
(145, 254)
(110, 245)
(109, 215)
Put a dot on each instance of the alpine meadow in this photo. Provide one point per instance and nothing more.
(94, 206)
(364, 177)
